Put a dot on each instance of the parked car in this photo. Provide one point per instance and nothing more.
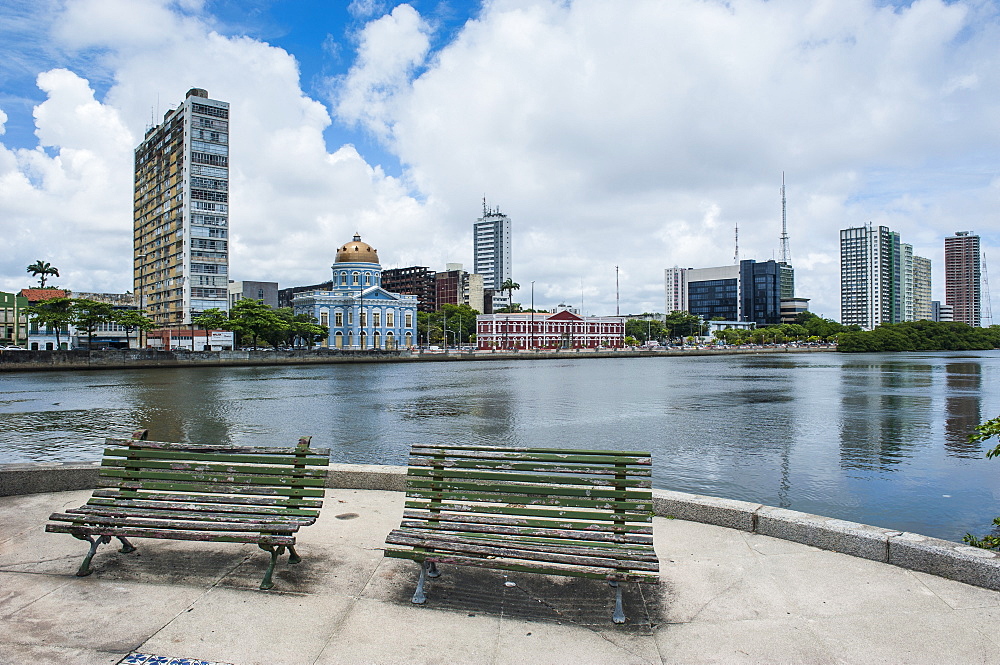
(11, 348)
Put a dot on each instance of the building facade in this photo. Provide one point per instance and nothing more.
(419, 281)
(881, 280)
(563, 330)
(748, 291)
(265, 292)
(491, 236)
(963, 277)
(13, 320)
(181, 212)
(359, 312)
(454, 286)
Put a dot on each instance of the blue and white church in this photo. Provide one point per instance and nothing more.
(361, 314)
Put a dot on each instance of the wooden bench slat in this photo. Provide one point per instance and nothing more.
(184, 455)
(571, 520)
(621, 512)
(130, 484)
(564, 458)
(181, 512)
(450, 448)
(546, 467)
(232, 499)
(512, 549)
(515, 476)
(201, 508)
(240, 479)
(202, 467)
(552, 531)
(448, 486)
(622, 507)
(574, 571)
(133, 532)
(623, 553)
(212, 448)
(177, 521)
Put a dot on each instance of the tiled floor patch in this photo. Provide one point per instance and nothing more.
(148, 659)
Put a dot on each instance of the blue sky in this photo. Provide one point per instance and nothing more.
(634, 134)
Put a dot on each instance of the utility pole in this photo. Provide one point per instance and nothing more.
(617, 311)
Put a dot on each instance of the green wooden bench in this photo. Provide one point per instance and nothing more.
(217, 493)
(581, 513)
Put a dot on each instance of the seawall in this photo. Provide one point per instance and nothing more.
(35, 361)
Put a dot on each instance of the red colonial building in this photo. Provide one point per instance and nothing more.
(564, 330)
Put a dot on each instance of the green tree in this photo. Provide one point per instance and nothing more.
(459, 319)
(132, 319)
(304, 329)
(510, 286)
(54, 314)
(984, 432)
(252, 318)
(88, 314)
(212, 319)
(42, 269)
(681, 324)
(644, 330)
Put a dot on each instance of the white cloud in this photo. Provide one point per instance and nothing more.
(606, 129)
(630, 134)
(390, 49)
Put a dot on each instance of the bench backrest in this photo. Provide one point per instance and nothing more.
(292, 477)
(595, 490)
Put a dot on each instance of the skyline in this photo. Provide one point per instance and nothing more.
(634, 135)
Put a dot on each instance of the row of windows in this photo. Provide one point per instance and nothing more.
(212, 160)
(210, 123)
(210, 171)
(355, 278)
(210, 183)
(390, 319)
(211, 148)
(209, 268)
(213, 111)
(203, 195)
(211, 220)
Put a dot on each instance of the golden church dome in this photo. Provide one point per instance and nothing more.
(357, 252)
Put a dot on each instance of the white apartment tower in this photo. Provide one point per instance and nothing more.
(881, 280)
(181, 212)
(491, 252)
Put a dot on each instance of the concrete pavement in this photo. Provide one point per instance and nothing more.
(727, 596)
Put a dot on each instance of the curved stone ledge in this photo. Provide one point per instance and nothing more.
(913, 551)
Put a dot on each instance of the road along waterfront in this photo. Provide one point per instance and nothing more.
(875, 438)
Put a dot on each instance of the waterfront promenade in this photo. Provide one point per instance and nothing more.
(727, 596)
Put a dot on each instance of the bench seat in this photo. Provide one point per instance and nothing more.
(196, 492)
(554, 511)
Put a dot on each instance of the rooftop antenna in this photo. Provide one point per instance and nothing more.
(617, 312)
(484, 205)
(736, 256)
(786, 253)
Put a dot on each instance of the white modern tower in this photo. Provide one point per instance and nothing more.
(491, 251)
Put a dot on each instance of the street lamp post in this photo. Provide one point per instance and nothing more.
(532, 314)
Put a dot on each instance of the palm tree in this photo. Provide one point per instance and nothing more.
(509, 286)
(42, 268)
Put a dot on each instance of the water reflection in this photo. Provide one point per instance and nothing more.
(887, 411)
(962, 408)
(879, 439)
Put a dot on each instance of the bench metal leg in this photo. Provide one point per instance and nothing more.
(432, 570)
(275, 553)
(127, 547)
(94, 542)
(419, 598)
(293, 556)
(619, 614)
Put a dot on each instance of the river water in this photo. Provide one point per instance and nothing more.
(874, 438)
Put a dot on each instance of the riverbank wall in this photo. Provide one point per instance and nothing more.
(81, 359)
(912, 551)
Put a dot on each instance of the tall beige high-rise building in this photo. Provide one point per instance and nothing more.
(181, 212)
(963, 277)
